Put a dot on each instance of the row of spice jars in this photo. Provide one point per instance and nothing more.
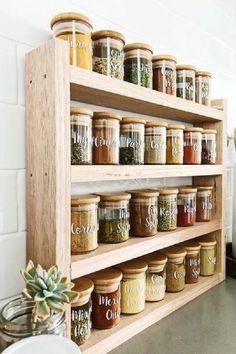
(140, 213)
(106, 138)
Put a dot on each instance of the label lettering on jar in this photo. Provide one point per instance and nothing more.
(83, 141)
(80, 44)
(212, 260)
(157, 146)
(112, 315)
(105, 300)
(135, 144)
(84, 229)
(195, 272)
(79, 315)
(98, 142)
(157, 279)
(204, 90)
(167, 212)
(179, 274)
(169, 75)
(123, 228)
(188, 209)
(130, 289)
(207, 205)
(150, 223)
(194, 262)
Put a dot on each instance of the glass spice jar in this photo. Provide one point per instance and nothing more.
(138, 64)
(133, 286)
(207, 257)
(209, 146)
(143, 212)
(186, 82)
(204, 203)
(81, 311)
(155, 277)
(155, 143)
(106, 135)
(106, 298)
(76, 29)
(81, 136)
(164, 73)
(84, 223)
(175, 144)
(114, 217)
(192, 262)
(193, 146)
(108, 54)
(167, 209)
(132, 141)
(203, 88)
(186, 206)
(175, 270)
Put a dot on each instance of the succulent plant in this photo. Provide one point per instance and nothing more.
(48, 289)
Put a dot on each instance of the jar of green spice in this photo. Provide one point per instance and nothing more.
(167, 209)
(186, 82)
(207, 257)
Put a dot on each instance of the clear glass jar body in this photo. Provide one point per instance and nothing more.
(78, 36)
(133, 287)
(108, 57)
(192, 267)
(155, 283)
(143, 216)
(84, 228)
(203, 90)
(155, 145)
(138, 67)
(204, 206)
(208, 148)
(81, 320)
(207, 260)
(132, 144)
(16, 324)
(175, 146)
(167, 212)
(192, 147)
(81, 139)
(164, 76)
(106, 135)
(186, 209)
(175, 275)
(186, 84)
(114, 221)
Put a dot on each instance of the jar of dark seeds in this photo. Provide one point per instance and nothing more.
(209, 146)
(203, 87)
(167, 209)
(186, 82)
(164, 73)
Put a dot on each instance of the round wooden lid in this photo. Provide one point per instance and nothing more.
(108, 33)
(84, 286)
(166, 191)
(203, 73)
(186, 67)
(175, 252)
(107, 276)
(164, 57)
(144, 193)
(207, 242)
(204, 188)
(71, 16)
(191, 246)
(176, 126)
(115, 197)
(84, 199)
(156, 124)
(109, 115)
(131, 120)
(155, 259)
(133, 267)
(186, 190)
(193, 129)
(133, 46)
(209, 131)
(81, 110)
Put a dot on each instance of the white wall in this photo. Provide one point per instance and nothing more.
(200, 32)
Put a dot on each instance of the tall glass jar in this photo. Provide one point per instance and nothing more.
(106, 135)
(81, 136)
(84, 223)
(16, 323)
(156, 277)
(106, 298)
(155, 143)
(81, 311)
(133, 286)
(175, 270)
(175, 144)
(138, 64)
(193, 146)
(207, 256)
(204, 203)
(167, 209)
(209, 146)
(76, 29)
(114, 217)
(132, 141)
(164, 73)
(203, 87)
(108, 54)
(186, 82)
(186, 206)
(192, 262)
(144, 213)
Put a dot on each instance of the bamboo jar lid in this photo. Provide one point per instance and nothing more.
(156, 124)
(107, 276)
(186, 190)
(131, 120)
(156, 259)
(114, 197)
(81, 110)
(148, 193)
(84, 286)
(70, 16)
(84, 199)
(186, 67)
(133, 46)
(106, 115)
(207, 242)
(176, 126)
(133, 267)
(204, 188)
(203, 73)
(193, 129)
(191, 247)
(167, 191)
(164, 57)
(210, 131)
(175, 252)
(108, 33)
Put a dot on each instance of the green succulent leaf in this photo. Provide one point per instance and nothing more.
(42, 310)
(58, 307)
(47, 293)
(61, 297)
(28, 293)
(41, 283)
(39, 297)
(72, 295)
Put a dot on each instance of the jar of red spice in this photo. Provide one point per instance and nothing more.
(192, 145)
(164, 73)
(204, 203)
(186, 206)
(192, 262)
(209, 146)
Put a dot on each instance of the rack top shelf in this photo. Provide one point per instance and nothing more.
(90, 87)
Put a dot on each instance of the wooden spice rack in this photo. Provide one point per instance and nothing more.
(50, 85)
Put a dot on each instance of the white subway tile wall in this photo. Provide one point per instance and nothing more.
(202, 33)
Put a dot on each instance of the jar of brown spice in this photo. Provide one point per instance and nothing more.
(192, 262)
(209, 146)
(164, 73)
(175, 270)
(204, 203)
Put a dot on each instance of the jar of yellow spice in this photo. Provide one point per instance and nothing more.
(175, 270)
(207, 257)
(175, 144)
(156, 277)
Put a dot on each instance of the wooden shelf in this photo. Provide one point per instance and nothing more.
(107, 255)
(103, 341)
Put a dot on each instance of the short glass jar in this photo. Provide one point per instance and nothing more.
(76, 29)
(106, 135)
(114, 217)
(81, 311)
(193, 146)
(138, 64)
(207, 257)
(106, 298)
(209, 146)
(156, 277)
(167, 209)
(204, 203)
(155, 143)
(144, 212)
(186, 82)
(108, 54)
(133, 286)
(84, 223)
(175, 144)
(186, 206)
(132, 141)
(164, 73)
(175, 269)
(203, 87)
(16, 322)
(192, 262)
(81, 136)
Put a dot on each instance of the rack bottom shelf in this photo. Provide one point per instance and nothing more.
(103, 341)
